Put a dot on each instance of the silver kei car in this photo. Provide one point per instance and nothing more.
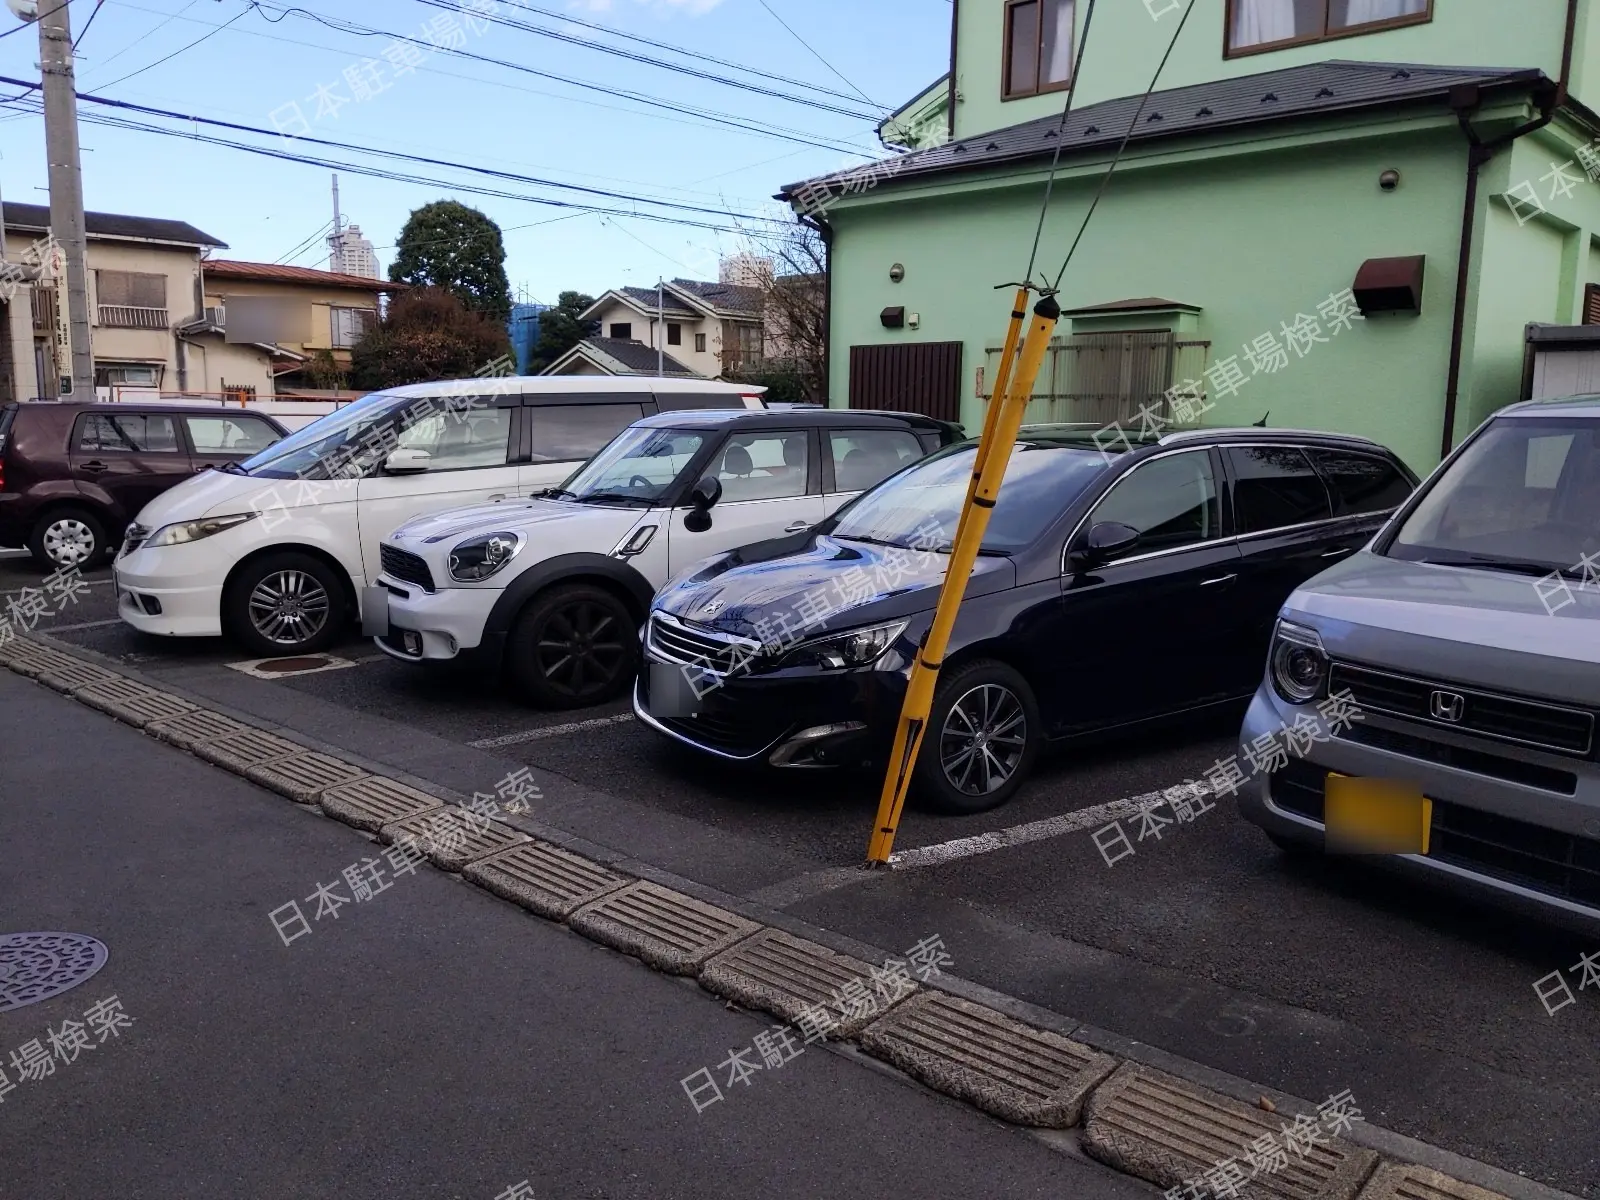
(1467, 636)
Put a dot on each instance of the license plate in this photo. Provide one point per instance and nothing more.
(1375, 816)
(672, 696)
(374, 611)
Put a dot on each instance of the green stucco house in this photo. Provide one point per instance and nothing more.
(1335, 214)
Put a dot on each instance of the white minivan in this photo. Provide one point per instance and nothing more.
(279, 551)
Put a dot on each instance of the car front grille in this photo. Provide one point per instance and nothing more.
(721, 724)
(675, 641)
(1543, 860)
(404, 565)
(1545, 726)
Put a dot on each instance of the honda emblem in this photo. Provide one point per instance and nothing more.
(1447, 706)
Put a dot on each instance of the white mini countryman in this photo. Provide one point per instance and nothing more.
(554, 588)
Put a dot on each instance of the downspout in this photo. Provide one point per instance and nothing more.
(950, 104)
(825, 231)
(1464, 100)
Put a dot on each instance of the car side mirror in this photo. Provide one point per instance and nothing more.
(703, 496)
(407, 462)
(1106, 540)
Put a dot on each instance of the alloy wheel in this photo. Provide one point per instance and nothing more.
(289, 607)
(984, 736)
(580, 649)
(69, 542)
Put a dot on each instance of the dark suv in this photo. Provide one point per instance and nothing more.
(73, 476)
(1112, 589)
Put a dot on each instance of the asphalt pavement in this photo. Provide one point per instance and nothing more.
(431, 1041)
(1209, 943)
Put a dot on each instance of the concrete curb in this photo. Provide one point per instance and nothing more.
(682, 927)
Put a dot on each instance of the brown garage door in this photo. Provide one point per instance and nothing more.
(919, 377)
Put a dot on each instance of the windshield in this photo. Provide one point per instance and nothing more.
(1524, 496)
(637, 467)
(456, 430)
(1041, 480)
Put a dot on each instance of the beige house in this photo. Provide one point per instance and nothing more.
(266, 324)
(144, 278)
(712, 329)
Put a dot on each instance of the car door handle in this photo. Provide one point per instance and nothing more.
(93, 466)
(796, 526)
(1220, 579)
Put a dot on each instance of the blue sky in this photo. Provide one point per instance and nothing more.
(265, 68)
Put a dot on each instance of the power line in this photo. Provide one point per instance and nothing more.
(302, 246)
(569, 19)
(763, 128)
(814, 54)
(84, 32)
(175, 53)
(154, 28)
(648, 60)
(511, 176)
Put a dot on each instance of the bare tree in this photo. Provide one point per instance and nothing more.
(794, 312)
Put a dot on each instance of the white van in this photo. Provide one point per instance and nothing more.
(278, 551)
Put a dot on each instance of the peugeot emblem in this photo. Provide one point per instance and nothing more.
(1447, 706)
(711, 609)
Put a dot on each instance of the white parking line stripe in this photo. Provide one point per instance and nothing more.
(82, 585)
(549, 731)
(79, 625)
(1033, 831)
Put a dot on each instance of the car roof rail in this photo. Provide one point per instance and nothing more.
(1245, 431)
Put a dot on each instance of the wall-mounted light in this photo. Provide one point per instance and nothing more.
(1389, 180)
(897, 273)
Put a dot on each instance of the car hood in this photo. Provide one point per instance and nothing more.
(213, 494)
(588, 524)
(844, 584)
(1502, 632)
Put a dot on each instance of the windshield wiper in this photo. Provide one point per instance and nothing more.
(232, 468)
(1511, 565)
(871, 541)
(553, 493)
(612, 498)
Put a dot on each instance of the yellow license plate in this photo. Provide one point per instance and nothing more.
(1375, 816)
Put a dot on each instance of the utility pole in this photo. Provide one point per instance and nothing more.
(66, 180)
(661, 326)
(336, 241)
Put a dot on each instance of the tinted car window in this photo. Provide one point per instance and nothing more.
(764, 466)
(1275, 486)
(230, 434)
(572, 432)
(1171, 501)
(100, 433)
(1361, 483)
(863, 457)
(673, 401)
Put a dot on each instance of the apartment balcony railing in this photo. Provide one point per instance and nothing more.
(127, 316)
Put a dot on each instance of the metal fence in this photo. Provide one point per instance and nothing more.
(1102, 378)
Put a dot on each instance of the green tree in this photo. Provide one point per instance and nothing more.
(560, 329)
(427, 334)
(448, 245)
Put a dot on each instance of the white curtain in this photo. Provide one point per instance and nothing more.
(1257, 22)
(1056, 64)
(1360, 12)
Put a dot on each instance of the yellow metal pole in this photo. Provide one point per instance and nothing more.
(994, 452)
(997, 395)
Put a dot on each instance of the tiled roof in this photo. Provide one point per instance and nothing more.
(635, 356)
(646, 298)
(725, 297)
(218, 268)
(1316, 89)
(113, 225)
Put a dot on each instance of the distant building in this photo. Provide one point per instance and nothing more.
(523, 328)
(352, 254)
(712, 329)
(745, 270)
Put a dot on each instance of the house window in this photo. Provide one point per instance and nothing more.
(674, 335)
(1038, 55)
(699, 343)
(350, 325)
(622, 330)
(1269, 24)
(131, 299)
(749, 344)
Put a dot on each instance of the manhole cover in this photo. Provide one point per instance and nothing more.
(279, 666)
(37, 966)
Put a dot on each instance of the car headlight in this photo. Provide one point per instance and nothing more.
(858, 648)
(1298, 664)
(194, 531)
(481, 557)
